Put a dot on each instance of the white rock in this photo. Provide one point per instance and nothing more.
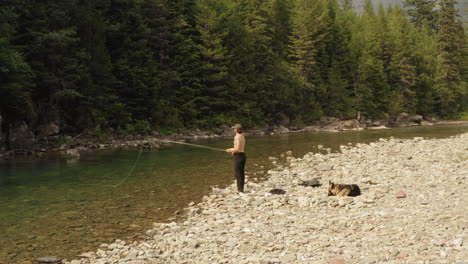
(303, 202)
(457, 242)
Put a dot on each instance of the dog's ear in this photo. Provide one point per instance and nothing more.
(330, 183)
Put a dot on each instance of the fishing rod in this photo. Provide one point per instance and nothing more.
(193, 145)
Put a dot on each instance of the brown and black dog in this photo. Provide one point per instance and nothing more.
(343, 189)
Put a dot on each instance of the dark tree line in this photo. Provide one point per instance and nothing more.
(151, 64)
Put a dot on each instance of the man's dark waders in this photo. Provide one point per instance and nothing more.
(239, 165)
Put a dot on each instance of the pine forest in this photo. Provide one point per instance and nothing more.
(133, 66)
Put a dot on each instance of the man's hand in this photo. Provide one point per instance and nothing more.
(230, 150)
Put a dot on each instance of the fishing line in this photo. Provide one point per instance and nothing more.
(193, 145)
(138, 158)
(124, 179)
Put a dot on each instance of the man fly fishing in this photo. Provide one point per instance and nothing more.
(239, 156)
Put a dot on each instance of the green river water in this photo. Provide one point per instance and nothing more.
(51, 207)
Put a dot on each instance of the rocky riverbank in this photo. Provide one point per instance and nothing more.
(412, 210)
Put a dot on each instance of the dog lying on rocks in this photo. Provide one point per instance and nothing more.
(343, 189)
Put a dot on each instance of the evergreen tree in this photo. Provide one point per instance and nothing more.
(425, 62)
(15, 73)
(336, 63)
(370, 83)
(309, 23)
(138, 33)
(401, 69)
(451, 83)
(280, 17)
(48, 34)
(422, 12)
(185, 78)
(215, 96)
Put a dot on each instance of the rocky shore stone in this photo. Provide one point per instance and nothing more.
(351, 124)
(54, 260)
(306, 226)
(415, 118)
(282, 130)
(400, 194)
(336, 261)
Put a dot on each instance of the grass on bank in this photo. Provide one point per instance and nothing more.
(463, 116)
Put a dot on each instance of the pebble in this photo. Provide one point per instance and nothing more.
(457, 242)
(395, 252)
(303, 201)
(52, 259)
(400, 195)
(336, 261)
(306, 226)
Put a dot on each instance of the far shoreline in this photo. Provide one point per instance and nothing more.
(72, 149)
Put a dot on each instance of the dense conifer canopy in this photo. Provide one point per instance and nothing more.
(201, 63)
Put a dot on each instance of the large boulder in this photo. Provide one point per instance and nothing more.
(415, 119)
(431, 119)
(47, 130)
(282, 130)
(224, 130)
(351, 124)
(402, 120)
(334, 126)
(20, 136)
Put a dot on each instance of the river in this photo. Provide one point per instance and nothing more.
(54, 207)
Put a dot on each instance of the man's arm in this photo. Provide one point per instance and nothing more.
(236, 144)
(235, 149)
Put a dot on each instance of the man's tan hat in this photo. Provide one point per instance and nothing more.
(237, 126)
